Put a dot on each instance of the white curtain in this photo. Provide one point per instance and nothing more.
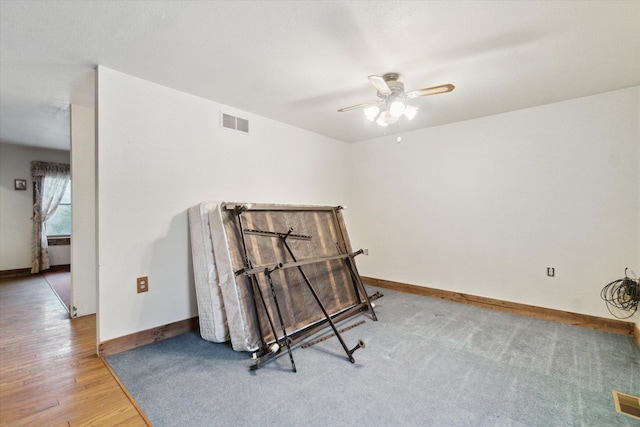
(50, 183)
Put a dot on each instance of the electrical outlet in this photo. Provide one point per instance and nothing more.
(366, 252)
(143, 284)
(551, 272)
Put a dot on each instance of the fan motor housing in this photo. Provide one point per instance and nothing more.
(397, 87)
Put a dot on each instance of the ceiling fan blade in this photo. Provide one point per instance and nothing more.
(353, 107)
(430, 91)
(380, 85)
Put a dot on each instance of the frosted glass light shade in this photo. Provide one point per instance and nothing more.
(410, 112)
(371, 112)
(396, 109)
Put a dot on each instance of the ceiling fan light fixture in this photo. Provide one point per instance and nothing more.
(390, 105)
(386, 119)
(371, 112)
(410, 112)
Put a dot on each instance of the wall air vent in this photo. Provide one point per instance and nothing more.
(242, 125)
(228, 121)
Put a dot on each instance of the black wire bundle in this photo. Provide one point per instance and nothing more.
(623, 295)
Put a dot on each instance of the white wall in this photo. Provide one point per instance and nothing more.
(83, 220)
(485, 206)
(637, 266)
(59, 255)
(161, 151)
(16, 207)
(481, 207)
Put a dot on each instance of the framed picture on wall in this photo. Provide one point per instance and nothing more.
(20, 184)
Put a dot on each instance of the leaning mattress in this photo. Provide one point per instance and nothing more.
(213, 319)
(239, 319)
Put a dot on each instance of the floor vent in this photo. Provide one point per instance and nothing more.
(627, 404)
(228, 121)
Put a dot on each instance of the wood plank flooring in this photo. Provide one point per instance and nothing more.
(50, 374)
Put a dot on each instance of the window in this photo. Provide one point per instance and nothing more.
(60, 223)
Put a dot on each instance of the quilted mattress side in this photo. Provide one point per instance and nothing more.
(235, 301)
(213, 319)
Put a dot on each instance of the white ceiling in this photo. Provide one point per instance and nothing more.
(299, 61)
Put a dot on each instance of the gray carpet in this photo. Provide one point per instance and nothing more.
(427, 362)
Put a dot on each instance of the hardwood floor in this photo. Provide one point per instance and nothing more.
(50, 374)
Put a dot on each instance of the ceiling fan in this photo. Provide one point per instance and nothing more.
(391, 106)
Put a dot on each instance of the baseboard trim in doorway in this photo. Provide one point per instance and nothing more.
(609, 325)
(62, 267)
(149, 336)
(16, 272)
(19, 272)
